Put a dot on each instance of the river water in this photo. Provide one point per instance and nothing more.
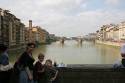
(71, 52)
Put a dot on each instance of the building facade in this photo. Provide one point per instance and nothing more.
(112, 32)
(11, 30)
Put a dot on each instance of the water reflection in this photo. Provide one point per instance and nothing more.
(107, 54)
(62, 45)
(79, 45)
(72, 52)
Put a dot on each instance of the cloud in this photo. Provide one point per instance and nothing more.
(101, 17)
(84, 22)
(113, 2)
(42, 8)
(63, 17)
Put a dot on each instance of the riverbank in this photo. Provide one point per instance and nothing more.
(109, 43)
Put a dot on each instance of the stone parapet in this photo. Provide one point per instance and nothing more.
(86, 74)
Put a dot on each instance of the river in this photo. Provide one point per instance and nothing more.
(73, 53)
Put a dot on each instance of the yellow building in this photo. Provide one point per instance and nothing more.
(36, 34)
(112, 32)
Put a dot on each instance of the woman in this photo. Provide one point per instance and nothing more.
(26, 61)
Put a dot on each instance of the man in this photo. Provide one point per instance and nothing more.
(121, 63)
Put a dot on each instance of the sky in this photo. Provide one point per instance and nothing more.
(67, 17)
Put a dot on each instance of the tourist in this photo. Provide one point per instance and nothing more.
(39, 70)
(26, 61)
(4, 65)
(55, 64)
(61, 64)
(121, 63)
(4, 60)
(50, 72)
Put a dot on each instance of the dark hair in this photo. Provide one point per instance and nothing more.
(55, 64)
(123, 55)
(40, 55)
(123, 62)
(3, 47)
(30, 44)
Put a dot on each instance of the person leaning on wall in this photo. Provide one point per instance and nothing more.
(121, 63)
(5, 67)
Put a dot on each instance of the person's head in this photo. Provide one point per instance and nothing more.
(3, 48)
(123, 51)
(30, 47)
(48, 63)
(55, 64)
(41, 57)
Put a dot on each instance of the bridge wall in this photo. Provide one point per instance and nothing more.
(84, 75)
(78, 75)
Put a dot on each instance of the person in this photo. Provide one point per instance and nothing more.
(39, 70)
(4, 60)
(121, 63)
(50, 72)
(4, 64)
(26, 61)
(55, 64)
(61, 64)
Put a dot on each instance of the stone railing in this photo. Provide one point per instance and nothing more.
(94, 74)
(91, 74)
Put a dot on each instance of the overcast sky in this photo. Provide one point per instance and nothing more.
(67, 17)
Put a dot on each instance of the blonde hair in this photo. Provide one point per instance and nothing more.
(48, 60)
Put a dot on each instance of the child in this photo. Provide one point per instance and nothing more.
(39, 70)
(50, 72)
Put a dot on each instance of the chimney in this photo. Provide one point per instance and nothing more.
(30, 24)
